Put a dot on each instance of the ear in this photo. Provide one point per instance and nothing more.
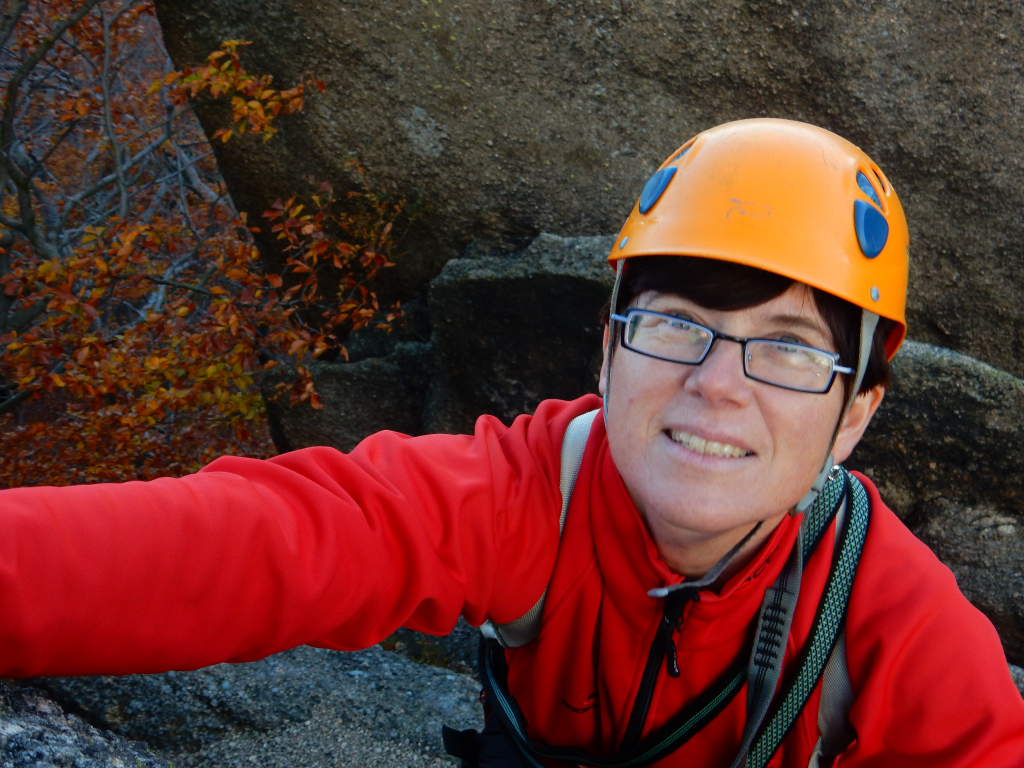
(603, 377)
(856, 421)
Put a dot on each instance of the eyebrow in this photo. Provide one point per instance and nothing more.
(783, 318)
(798, 321)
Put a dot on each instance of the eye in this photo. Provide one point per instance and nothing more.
(684, 318)
(789, 339)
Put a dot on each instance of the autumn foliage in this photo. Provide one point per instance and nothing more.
(135, 316)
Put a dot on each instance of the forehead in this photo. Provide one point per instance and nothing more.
(794, 309)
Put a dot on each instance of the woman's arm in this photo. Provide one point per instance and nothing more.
(247, 558)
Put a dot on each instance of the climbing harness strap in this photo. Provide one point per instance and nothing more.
(518, 633)
(764, 667)
(825, 631)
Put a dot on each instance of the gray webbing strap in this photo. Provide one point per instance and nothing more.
(619, 268)
(773, 624)
(827, 627)
(837, 695)
(526, 628)
(868, 323)
(834, 710)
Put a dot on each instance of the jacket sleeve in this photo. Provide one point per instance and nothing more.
(247, 558)
(932, 684)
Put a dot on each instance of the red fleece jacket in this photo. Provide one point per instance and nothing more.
(247, 558)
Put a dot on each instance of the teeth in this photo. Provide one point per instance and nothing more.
(708, 447)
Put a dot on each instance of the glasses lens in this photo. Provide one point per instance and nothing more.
(666, 337)
(789, 365)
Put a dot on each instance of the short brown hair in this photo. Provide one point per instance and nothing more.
(723, 285)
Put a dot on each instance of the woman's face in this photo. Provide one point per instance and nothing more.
(655, 408)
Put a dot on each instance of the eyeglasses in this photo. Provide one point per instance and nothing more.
(779, 363)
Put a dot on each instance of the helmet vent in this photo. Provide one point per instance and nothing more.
(883, 182)
(867, 188)
(872, 228)
(654, 187)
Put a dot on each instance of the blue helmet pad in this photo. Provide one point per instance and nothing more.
(654, 188)
(872, 228)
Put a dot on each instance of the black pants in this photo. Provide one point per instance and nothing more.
(490, 748)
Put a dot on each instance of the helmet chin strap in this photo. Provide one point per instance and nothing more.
(868, 322)
(611, 338)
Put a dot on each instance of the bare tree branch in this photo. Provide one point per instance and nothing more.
(23, 318)
(108, 119)
(10, 101)
(194, 181)
(53, 148)
(24, 394)
(143, 153)
(175, 284)
(11, 15)
(14, 401)
(30, 228)
(11, 95)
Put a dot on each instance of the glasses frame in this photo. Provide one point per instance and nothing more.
(716, 335)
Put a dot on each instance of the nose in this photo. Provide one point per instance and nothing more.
(720, 377)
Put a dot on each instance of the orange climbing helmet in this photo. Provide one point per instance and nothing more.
(785, 197)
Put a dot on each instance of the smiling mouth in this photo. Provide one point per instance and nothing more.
(708, 447)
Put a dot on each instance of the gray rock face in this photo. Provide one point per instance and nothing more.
(951, 427)
(35, 732)
(945, 451)
(511, 330)
(378, 711)
(529, 116)
(303, 707)
(359, 398)
(1018, 677)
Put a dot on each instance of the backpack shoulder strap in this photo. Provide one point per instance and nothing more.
(834, 709)
(526, 628)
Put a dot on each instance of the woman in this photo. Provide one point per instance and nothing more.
(747, 345)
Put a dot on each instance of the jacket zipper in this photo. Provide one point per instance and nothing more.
(662, 647)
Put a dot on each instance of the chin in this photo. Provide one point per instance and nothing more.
(712, 518)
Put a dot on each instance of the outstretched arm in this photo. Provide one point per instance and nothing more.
(247, 558)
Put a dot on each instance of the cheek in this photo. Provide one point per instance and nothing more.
(641, 385)
(801, 430)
